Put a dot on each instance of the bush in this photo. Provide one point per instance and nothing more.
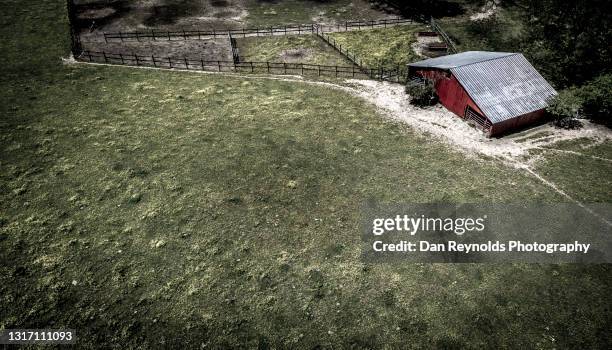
(568, 123)
(596, 99)
(422, 95)
(567, 104)
(565, 109)
(591, 101)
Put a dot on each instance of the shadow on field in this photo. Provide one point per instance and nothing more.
(101, 12)
(171, 11)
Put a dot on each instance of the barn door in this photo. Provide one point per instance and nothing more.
(481, 121)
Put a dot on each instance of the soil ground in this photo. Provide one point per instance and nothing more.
(208, 50)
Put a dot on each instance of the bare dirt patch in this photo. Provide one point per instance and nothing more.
(97, 13)
(295, 55)
(208, 50)
(489, 9)
(421, 46)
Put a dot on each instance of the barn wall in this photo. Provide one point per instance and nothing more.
(518, 122)
(451, 93)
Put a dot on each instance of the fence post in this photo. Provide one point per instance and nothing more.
(153, 34)
(153, 59)
(219, 65)
(121, 56)
(285, 68)
(202, 63)
(121, 35)
(353, 71)
(268, 65)
(186, 63)
(302, 68)
(336, 71)
(105, 39)
(89, 54)
(184, 35)
(105, 58)
(137, 36)
(136, 59)
(168, 32)
(252, 69)
(170, 62)
(214, 33)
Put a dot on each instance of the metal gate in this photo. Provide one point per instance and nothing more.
(478, 119)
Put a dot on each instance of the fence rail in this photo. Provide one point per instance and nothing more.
(338, 47)
(381, 73)
(249, 32)
(241, 67)
(436, 27)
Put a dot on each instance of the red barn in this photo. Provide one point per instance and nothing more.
(499, 91)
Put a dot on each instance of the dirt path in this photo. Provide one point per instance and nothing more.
(443, 124)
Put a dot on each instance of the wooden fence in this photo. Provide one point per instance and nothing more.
(397, 74)
(242, 67)
(235, 51)
(436, 27)
(338, 47)
(250, 32)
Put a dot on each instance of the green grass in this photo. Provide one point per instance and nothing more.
(263, 13)
(151, 209)
(387, 47)
(279, 48)
(587, 179)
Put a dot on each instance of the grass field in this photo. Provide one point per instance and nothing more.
(387, 47)
(149, 208)
(585, 174)
(290, 49)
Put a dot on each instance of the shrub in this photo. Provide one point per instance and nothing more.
(565, 109)
(422, 95)
(591, 101)
(567, 104)
(596, 99)
(568, 123)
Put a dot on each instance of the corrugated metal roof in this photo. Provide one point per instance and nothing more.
(460, 59)
(504, 87)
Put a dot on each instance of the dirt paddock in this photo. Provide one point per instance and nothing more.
(208, 50)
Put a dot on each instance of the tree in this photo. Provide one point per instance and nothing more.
(568, 40)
